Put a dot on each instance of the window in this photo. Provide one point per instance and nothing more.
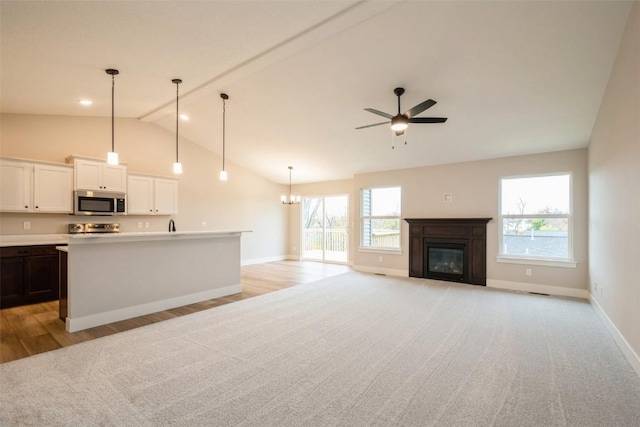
(380, 218)
(535, 218)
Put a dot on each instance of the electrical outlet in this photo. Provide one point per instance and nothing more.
(139, 224)
(447, 197)
(379, 259)
(528, 272)
(27, 225)
(146, 224)
(203, 224)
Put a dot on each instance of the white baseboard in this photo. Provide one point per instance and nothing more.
(538, 288)
(266, 259)
(379, 270)
(86, 322)
(627, 350)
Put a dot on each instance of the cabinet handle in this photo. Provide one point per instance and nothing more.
(26, 206)
(37, 207)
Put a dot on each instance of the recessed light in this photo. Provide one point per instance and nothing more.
(184, 117)
(85, 102)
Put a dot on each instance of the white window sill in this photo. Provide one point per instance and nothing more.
(381, 251)
(537, 261)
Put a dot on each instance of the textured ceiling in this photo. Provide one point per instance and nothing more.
(512, 77)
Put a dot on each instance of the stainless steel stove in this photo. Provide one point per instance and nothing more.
(93, 228)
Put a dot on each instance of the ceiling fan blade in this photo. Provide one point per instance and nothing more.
(428, 120)
(376, 124)
(380, 113)
(420, 108)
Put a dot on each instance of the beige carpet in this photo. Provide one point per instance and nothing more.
(350, 350)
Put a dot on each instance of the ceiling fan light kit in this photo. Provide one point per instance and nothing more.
(400, 122)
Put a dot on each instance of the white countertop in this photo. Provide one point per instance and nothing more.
(33, 239)
(149, 236)
(63, 239)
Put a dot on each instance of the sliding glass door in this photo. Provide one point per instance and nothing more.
(325, 232)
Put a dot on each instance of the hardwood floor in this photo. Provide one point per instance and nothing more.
(36, 328)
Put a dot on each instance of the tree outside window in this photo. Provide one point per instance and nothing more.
(535, 217)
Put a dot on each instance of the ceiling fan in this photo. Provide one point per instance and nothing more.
(400, 122)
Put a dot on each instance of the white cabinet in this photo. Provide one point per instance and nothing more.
(148, 195)
(166, 196)
(52, 188)
(36, 187)
(94, 175)
(16, 186)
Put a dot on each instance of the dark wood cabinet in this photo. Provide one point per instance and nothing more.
(28, 274)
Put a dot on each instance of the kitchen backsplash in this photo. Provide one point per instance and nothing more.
(14, 223)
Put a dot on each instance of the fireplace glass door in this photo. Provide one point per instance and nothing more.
(445, 260)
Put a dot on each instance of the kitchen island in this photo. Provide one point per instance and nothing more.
(113, 277)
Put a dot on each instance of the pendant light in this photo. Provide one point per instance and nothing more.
(177, 166)
(293, 200)
(112, 156)
(223, 172)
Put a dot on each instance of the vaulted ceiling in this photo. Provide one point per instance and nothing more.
(513, 78)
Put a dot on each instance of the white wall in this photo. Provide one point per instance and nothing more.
(474, 186)
(614, 196)
(147, 148)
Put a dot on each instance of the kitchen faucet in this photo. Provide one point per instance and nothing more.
(172, 225)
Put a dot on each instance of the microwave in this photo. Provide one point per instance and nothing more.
(87, 202)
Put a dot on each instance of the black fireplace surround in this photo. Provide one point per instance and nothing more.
(451, 249)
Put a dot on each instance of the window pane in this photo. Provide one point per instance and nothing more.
(381, 233)
(384, 202)
(539, 237)
(543, 194)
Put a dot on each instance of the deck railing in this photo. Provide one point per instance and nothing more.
(338, 239)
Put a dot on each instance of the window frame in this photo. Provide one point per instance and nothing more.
(363, 218)
(569, 261)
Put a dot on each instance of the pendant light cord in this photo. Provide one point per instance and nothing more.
(224, 114)
(113, 91)
(177, 82)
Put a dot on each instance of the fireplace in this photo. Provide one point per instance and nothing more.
(445, 260)
(448, 249)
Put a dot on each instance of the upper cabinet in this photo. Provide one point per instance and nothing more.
(35, 187)
(148, 195)
(52, 188)
(99, 176)
(166, 196)
(16, 184)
